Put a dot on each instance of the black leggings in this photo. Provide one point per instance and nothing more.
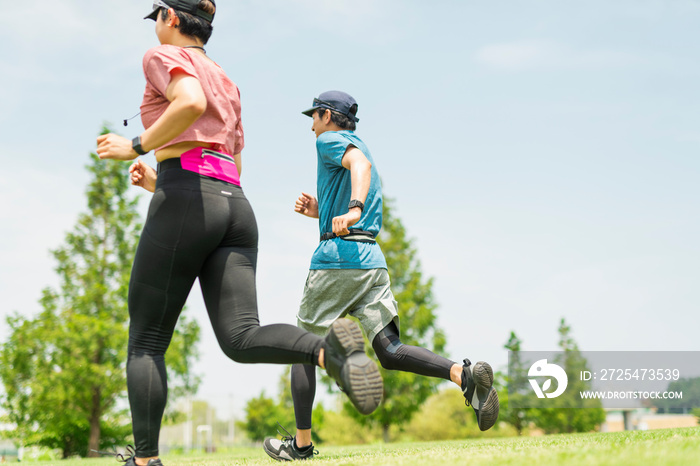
(197, 227)
(393, 355)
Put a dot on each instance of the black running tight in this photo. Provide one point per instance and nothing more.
(202, 228)
(392, 354)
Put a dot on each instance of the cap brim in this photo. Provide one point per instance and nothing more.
(153, 15)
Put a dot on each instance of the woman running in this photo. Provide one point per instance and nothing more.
(200, 225)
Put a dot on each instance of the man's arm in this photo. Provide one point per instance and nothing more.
(307, 205)
(361, 176)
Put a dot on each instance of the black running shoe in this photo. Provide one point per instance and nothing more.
(477, 387)
(286, 449)
(128, 460)
(346, 361)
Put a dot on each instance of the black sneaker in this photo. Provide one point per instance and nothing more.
(346, 361)
(286, 449)
(132, 462)
(477, 387)
(128, 460)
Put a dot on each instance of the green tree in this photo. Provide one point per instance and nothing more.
(64, 370)
(696, 412)
(518, 386)
(568, 413)
(690, 387)
(405, 392)
(444, 417)
(262, 414)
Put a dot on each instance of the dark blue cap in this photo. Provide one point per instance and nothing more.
(336, 101)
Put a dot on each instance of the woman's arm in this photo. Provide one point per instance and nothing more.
(187, 104)
(239, 162)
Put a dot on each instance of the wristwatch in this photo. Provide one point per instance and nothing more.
(356, 203)
(136, 145)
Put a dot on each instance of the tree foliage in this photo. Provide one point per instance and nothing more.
(568, 413)
(64, 370)
(518, 386)
(404, 392)
(690, 387)
(262, 414)
(444, 417)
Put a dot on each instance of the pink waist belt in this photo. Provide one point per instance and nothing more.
(211, 163)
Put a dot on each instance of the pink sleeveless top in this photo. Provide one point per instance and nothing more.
(220, 124)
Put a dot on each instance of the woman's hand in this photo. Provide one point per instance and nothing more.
(113, 146)
(143, 175)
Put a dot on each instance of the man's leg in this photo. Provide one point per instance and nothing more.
(476, 382)
(303, 393)
(394, 355)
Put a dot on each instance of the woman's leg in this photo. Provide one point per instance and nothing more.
(168, 258)
(228, 286)
(154, 311)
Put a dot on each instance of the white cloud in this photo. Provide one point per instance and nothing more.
(528, 55)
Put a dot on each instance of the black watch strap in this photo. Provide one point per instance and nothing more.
(356, 203)
(136, 145)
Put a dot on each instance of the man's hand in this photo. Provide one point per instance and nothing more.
(113, 146)
(343, 222)
(307, 205)
(143, 175)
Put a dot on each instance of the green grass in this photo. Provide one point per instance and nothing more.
(658, 447)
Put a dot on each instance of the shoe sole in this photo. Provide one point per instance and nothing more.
(365, 387)
(489, 408)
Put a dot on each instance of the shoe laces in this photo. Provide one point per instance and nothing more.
(285, 438)
(290, 438)
(119, 456)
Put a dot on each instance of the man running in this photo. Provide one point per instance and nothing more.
(348, 275)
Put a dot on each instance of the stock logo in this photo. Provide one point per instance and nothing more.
(542, 369)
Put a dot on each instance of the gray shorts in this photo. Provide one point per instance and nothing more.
(335, 293)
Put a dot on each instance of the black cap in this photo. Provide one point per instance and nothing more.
(188, 6)
(337, 101)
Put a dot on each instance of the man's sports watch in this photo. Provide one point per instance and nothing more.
(356, 203)
(136, 145)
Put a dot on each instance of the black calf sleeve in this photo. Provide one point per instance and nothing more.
(394, 355)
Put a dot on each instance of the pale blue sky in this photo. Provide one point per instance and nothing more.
(542, 154)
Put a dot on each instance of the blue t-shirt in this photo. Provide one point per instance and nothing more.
(334, 188)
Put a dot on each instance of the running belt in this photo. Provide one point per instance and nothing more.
(205, 162)
(357, 235)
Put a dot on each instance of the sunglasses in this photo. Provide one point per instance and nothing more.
(320, 102)
(159, 4)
